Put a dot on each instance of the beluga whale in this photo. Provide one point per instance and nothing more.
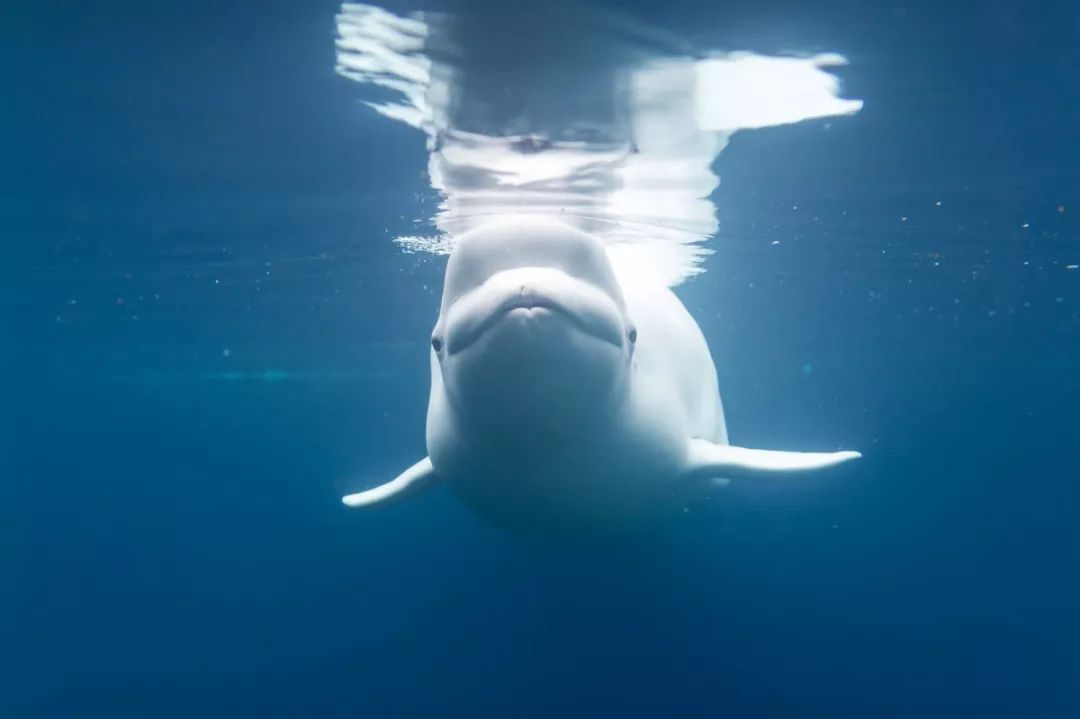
(570, 390)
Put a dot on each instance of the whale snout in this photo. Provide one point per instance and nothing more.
(530, 272)
(538, 298)
(533, 334)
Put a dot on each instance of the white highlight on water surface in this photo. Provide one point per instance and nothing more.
(380, 48)
(641, 175)
(742, 91)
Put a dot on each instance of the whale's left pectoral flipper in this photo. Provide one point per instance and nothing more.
(413, 480)
(720, 461)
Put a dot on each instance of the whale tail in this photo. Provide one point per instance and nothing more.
(412, 481)
(707, 460)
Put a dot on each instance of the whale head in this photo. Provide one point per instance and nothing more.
(533, 333)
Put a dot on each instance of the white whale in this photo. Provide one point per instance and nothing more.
(569, 391)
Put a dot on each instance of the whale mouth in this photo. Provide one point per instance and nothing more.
(536, 294)
(530, 305)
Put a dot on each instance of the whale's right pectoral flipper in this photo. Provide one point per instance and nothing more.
(412, 481)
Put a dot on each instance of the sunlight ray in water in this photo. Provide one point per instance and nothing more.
(610, 133)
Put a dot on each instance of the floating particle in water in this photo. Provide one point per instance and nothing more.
(1072, 267)
(807, 369)
(1061, 209)
(775, 242)
(226, 352)
(938, 203)
(903, 219)
(1025, 225)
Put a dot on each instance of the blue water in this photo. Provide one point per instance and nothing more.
(212, 337)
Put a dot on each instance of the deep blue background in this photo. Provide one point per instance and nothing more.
(178, 180)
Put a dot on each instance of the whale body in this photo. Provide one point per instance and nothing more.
(570, 390)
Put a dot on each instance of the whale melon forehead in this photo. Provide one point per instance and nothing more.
(527, 241)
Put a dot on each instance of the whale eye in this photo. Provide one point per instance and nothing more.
(436, 344)
(633, 335)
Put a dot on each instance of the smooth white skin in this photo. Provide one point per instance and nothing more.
(568, 392)
(553, 417)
